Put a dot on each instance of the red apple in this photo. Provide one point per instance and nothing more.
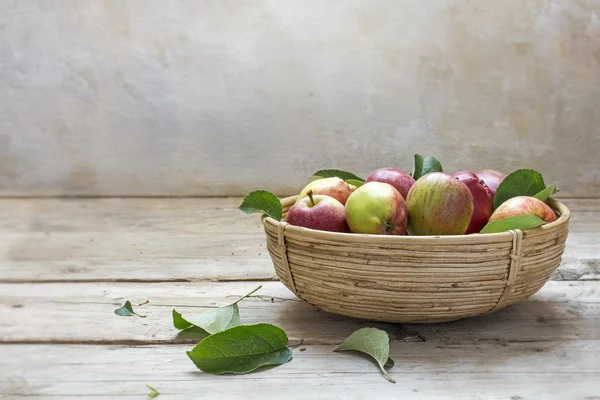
(491, 178)
(483, 200)
(398, 179)
(377, 208)
(524, 205)
(333, 187)
(318, 212)
(439, 205)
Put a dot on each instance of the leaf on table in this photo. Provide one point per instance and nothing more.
(548, 192)
(375, 343)
(193, 334)
(355, 182)
(212, 321)
(522, 182)
(241, 349)
(262, 201)
(153, 392)
(330, 173)
(126, 310)
(424, 165)
(522, 222)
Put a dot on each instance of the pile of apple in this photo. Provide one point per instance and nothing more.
(391, 202)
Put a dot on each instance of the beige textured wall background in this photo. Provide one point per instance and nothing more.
(222, 97)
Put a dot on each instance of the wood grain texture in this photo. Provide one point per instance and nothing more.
(83, 313)
(181, 239)
(538, 370)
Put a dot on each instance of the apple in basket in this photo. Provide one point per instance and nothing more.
(524, 205)
(395, 177)
(377, 208)
(491, 178)
(483, 200)
(439, 205)
(318, 212)
(334, 187)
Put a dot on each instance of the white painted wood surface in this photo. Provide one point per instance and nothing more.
(65, 265)
(489, 370)
(562, 310)
(181, 239)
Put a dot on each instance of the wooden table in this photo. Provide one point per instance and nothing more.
(65, 265)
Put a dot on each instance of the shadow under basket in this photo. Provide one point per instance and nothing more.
(414, 278)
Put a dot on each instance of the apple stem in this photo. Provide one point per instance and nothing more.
(310, 196)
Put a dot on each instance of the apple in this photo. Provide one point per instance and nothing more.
(439, 205)
(524, 205)
(334, 187)
(398, 179)
(483, 200)
(318, 212)
(377, 208)
(491, 178)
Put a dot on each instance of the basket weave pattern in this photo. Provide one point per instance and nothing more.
(414, 278)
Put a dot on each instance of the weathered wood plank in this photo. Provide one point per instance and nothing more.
(83, 313)
(180, 239)
(565, 370)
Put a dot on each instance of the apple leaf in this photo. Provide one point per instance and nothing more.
(424, 165)
(522, 182)
(522, 222)
(212, 321)
(548, 192)
(264, 202)
(241, 349)
(153, 392)
(330, 173)
(126, 310)
(355, 182)
(375, 343)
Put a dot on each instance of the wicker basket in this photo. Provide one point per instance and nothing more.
(414, 278)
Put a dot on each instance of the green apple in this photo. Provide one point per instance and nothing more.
(376, 208)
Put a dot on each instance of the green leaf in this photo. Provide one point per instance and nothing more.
(153, 392)
(373, 342)
(330, 173)
(355, 182)
(212, 321)
(522, 182)
(423, 166)
(264, 202)
(193, 334)
(389, 363)
(548, 192)
(179, 322)
(126, 310)
(241, 349)
(522, 222)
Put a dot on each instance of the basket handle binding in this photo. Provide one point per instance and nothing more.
(515, 258)
(283, 252)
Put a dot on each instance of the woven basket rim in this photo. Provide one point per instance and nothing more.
(557, 206)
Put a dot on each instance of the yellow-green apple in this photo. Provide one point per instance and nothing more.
(483, 200)
(318, 212)
(491, 178)
(524, 205)
(376, 208)
(334, 187)
(395, 177)
(439, 205)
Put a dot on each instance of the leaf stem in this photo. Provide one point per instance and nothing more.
(246, 295)
(384, 372)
